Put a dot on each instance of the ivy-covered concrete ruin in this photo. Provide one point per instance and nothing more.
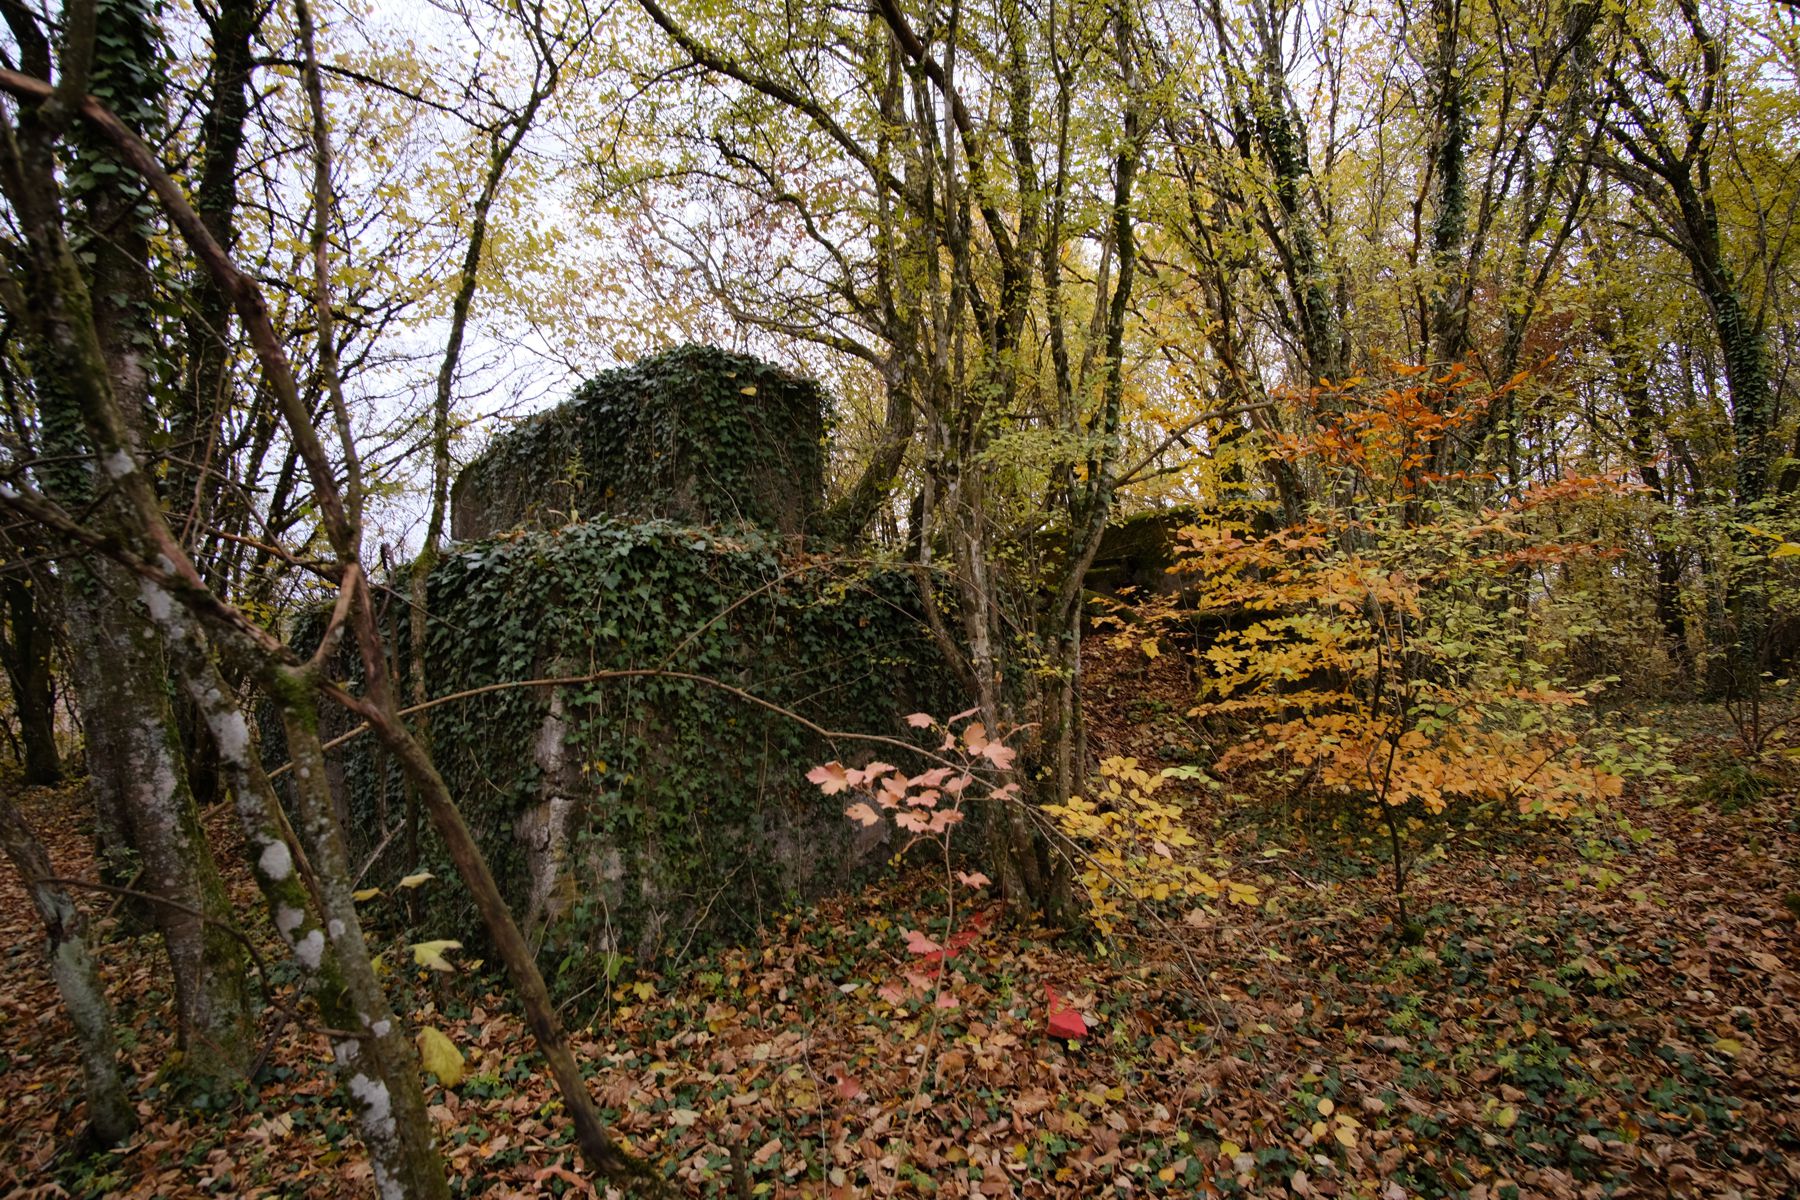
(648, 525)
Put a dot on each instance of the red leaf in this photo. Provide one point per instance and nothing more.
(1064, 1022)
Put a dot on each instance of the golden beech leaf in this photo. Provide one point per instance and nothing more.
(365, 894)
(413, 881)
(441, 1057)
(431, 954)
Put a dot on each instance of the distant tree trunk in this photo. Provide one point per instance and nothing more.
(110, 1115)
(25, 646)
(1669, 164)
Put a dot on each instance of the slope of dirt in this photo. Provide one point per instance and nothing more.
(1610, 1011)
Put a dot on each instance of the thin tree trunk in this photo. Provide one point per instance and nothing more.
(110, 1115)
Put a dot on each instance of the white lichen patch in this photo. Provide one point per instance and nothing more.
(336, 928)
(378, 1110)
(159, 604)
(275, 862)
(117, 465)
(310, 950)
(232, 733)
(288, 919)
(381, 1028)
(385, 1183)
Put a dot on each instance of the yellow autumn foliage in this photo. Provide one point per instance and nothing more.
(1136, 846)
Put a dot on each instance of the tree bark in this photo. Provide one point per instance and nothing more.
(110, 1115)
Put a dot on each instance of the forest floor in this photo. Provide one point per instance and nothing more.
(1605, 1011)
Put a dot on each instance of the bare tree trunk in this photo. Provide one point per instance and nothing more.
(110, 1115)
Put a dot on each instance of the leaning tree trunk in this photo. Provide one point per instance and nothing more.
(370, 1045)
(307, 887)
(110, 1115)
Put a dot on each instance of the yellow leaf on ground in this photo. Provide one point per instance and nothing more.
(440, 1056)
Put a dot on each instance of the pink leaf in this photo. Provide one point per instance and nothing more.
(874, 770)
(849, 1087)
(920, 721)
(955, 786)
(831, 777)
(975, 880)
(932, 778)
(918, 943)
(967, 712)
(946, 1000)
(975, 737)
(862, 814)
(893, 993)
(1000, 754)
(942, 819)
(925, 799)
(912, 822)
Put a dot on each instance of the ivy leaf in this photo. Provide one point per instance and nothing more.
(440, 1056)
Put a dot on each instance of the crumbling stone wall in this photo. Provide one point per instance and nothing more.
(635, 815)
